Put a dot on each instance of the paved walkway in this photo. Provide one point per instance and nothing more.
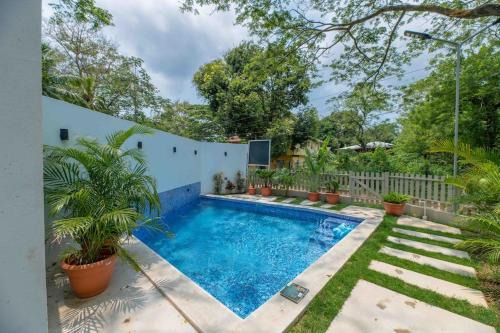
(130, 304)
(371, 308)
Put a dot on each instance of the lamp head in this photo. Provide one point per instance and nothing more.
(419, 35)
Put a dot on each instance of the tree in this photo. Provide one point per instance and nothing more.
(280, 132)
(364, 33)
(193, 121)
(306, 126)
(385, 131)
(428, 107)
(251, 87)
(83, 67)
(362, 107)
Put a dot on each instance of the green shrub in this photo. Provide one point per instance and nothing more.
(396, 198)
(218, 181)
(285, 179)
(267, 176)
(332, 186)
(240, 181)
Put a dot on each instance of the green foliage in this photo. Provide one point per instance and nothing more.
(366, 36)
(81, 66)
(315, 164)
(240, 181)
(252, 176)
(266, 175)
(332, 186)
(396, 198)
(429, 105)
(306, 126)
(99, 193)
(192, 121)
(480, 181)
(230, 186)
(280, 132)
(251, 88)
(218, 180)
(83, 11)
(285, 179)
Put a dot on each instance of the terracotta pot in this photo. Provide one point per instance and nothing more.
(252, 190)
(90, 279)
(313, 196)
(394, 209)
(332, 198)
(266, 191)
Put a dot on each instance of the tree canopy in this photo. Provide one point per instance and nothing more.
(252, 86)
(365, 34)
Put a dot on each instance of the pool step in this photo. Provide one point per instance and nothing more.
(423, 281)
(429, 247)
(424, 260)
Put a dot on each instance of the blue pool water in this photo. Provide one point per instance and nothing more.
(244, 253)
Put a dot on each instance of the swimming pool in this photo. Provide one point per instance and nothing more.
(243, 253)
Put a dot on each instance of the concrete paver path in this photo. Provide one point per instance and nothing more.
(419, 223)
(371, 308)
(439, 286)
(436, 263)
(427, 236)
(429, 247)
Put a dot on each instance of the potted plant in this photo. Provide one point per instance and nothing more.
(251, 181)
(285, 179)
(98, 194)
(314, 165)
(332, 195)
(240, 182)
(267, 177)
(394, 203)
(218, 181)
(230, 187)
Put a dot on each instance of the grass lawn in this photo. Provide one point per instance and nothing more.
(327, 303)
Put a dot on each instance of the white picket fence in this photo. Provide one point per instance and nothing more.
(372, 186)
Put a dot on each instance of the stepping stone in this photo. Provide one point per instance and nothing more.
(371, 308)
(307, 203)
(427, 236)
(363, 212)
(419, 223)
(436, 263)
(439, 286)
(429, 247)
(288, 200)
(269, 198)
(326, 206)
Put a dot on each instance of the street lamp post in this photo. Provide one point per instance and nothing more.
(458, 50)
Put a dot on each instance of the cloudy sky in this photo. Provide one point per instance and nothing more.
(174, 45)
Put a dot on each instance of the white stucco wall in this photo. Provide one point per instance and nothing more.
(170, 169)
(213, 161)
(23, 301)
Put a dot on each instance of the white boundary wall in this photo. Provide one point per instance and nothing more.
(170, 169)
(23, 300)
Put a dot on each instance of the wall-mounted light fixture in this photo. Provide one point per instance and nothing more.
(175, 149)
(139, 144)
(225, 153)
(64, 134)
(195, 152)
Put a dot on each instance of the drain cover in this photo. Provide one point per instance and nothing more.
(294, 292)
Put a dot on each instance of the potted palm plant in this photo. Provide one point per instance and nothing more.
(394, 203)
(285, 179)
(98, 194)
(267, 177)
(332, 195)
(314, 165)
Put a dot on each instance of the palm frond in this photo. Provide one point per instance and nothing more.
(117, 138)
(488, 249)
(71, 227)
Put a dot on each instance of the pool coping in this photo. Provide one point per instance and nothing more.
(207, 314)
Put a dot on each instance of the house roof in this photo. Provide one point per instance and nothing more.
(369, 145)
